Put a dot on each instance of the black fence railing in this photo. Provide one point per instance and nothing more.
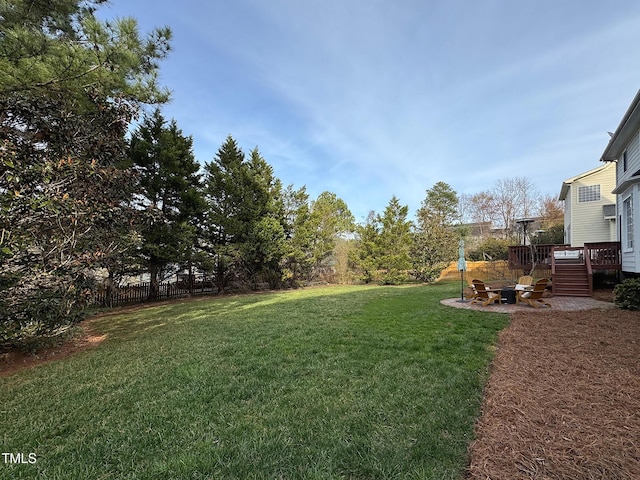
(141, 292)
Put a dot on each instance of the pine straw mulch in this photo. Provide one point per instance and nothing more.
(563, 399)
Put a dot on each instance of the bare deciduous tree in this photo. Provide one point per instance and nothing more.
(551, 210)
(465, 208)
(483, 210)
(515, 198)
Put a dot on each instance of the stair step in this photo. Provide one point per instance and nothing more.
(571, 280)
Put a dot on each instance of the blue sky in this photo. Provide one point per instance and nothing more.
(371, 98)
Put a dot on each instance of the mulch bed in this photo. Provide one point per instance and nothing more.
(563, 399)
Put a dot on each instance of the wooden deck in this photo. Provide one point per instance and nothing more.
(571, 268)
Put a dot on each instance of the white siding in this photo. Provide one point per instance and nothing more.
(627, 183)
(587, 218)
(567, 218)
(633, 159)
(630, 257)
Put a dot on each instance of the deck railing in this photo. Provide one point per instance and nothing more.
(587, 261)
(520, 256)
(601, 255)
(604, 255)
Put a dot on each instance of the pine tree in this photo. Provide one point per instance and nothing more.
(298, 260)
(62, 48)
(435, 240)
(367, 255)
(245, 221)
(330, 218)
(394, 242)
(169, 193)
(264, 246)
(69, 86)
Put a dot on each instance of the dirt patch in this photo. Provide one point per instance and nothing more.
(563, 399)
(13, 361)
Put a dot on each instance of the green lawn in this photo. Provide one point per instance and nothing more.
(340, 382)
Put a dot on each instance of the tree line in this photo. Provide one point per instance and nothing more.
(234, 221)
(80, 192)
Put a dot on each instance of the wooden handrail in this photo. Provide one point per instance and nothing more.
(553, 270)
(587, 261)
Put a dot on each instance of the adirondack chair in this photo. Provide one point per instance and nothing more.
(524, 283)
(525, 280)
(534, 297)
(474, 292)
(484, 295)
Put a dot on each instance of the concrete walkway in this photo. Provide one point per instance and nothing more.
(557, 303)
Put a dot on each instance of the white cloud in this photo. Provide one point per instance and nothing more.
(371, 99)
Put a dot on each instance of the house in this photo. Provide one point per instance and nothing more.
(623, 151)
(589, 206)
(590, 228)
(478, 230)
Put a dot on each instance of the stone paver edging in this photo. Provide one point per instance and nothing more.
(557, 303)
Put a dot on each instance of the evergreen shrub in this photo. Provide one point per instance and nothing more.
(626, 295)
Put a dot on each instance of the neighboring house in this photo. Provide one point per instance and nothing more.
(589, 206)
(477, 231)
(624, 150)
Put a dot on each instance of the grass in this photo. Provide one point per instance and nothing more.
(341, 382)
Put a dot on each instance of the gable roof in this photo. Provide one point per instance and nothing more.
(629, 125)
(564, 191)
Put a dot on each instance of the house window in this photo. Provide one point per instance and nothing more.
(627, 209)
(589, 193)
(624, 161)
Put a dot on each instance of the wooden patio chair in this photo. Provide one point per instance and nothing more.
(474, 292)
(485, 295)
(525, 280)
(534, 297)
(524, 283)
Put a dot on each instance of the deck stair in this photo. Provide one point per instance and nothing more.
(571, 279)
